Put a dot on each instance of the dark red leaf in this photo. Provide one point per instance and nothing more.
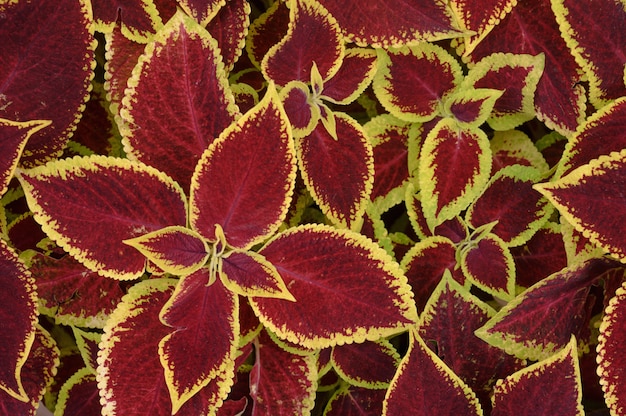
(369, 364)
(201, 10)
(355, 74)
(229, 27)
(356, 401)
(79, 395)
(266, 31)
(139, 20)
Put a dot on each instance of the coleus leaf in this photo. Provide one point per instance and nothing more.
(191, 314)
(353, 77)
(72, 294)
(304, 115)
(539, 322)
(37, 375)
(323, 267)
(479, 17)
(79, 394)
(406, 22)
(589, 191)
(256, 152)
(369, 364)
(355, 401)
(530, 28)
(249, 274)
(266, 31)
(601, 134)
(448, 324)
(513, 147)
(471, 107)
(180, 78)
(229, 27)
(90, 205)
(87, 343)
(133, 387)
(611, 353)
(313, 37)
(19, 314)
(29, 57)
(446, 192)
(13, 138)
(517, 76)
(556, 379)
(584, 27)
(281, 383)
(339, 173)
(140, 20)
(411, 82)
(175, 249)
(509, 199)
(487, 262)
(427, 386)
(202, 10)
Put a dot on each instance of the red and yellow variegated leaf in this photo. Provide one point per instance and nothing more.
(531, 28)
(390, 143)
(79, 395)
(370, 364)
(347, 288)
(406, 22)
(470, 107)
(354, 76)
(355, 401)
(584, 26)
(254, 154)
(578, 248)
(19, 316)
(175, 249)
(199, 316)
(454, 229)
(541, 256)
(425, 263)
(448, 323)
(13, 137)
(339, 173)
(455, 165)
(302, 112)
(44, 73)
(510, 199)
(587, 194)
(611, 353)
(539, 322)
(601, 134)
(249, 274)
(313, 37)
(556, 380)
(140, 19)
(202, 10)
(513, 147)
(90, 205)
(517, 76)
(178, 99)
(425, 385)
(412, 81)
(282, 383)
(249, 325)
(132, 386)
(230, 27)
(38, 374)
(479, 17)
(72, 294)
(121, 56)
(266, 31)
(488, 264)
(87, 343)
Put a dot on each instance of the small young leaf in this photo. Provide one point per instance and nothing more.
(471, 107)
(302, 112)
(425, 385)
(412, 81)
(255, 153)
(556, 380)
(90, 205)
(175, 249)
(587, 193)
(324, 267)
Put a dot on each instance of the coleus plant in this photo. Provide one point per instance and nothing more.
(312, 207)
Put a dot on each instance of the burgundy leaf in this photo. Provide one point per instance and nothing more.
(355, 74)
(229, 27)
(324, 267)
(356, 401)
(407, 22)
(302, 113)
(140, 20)
(201, 10)
(90, 205)
(253, 154)
(338, 172)
(266, 31)
(44, 73)
(370, 364)
(178, 100)
(79, 395)
(513, 147)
